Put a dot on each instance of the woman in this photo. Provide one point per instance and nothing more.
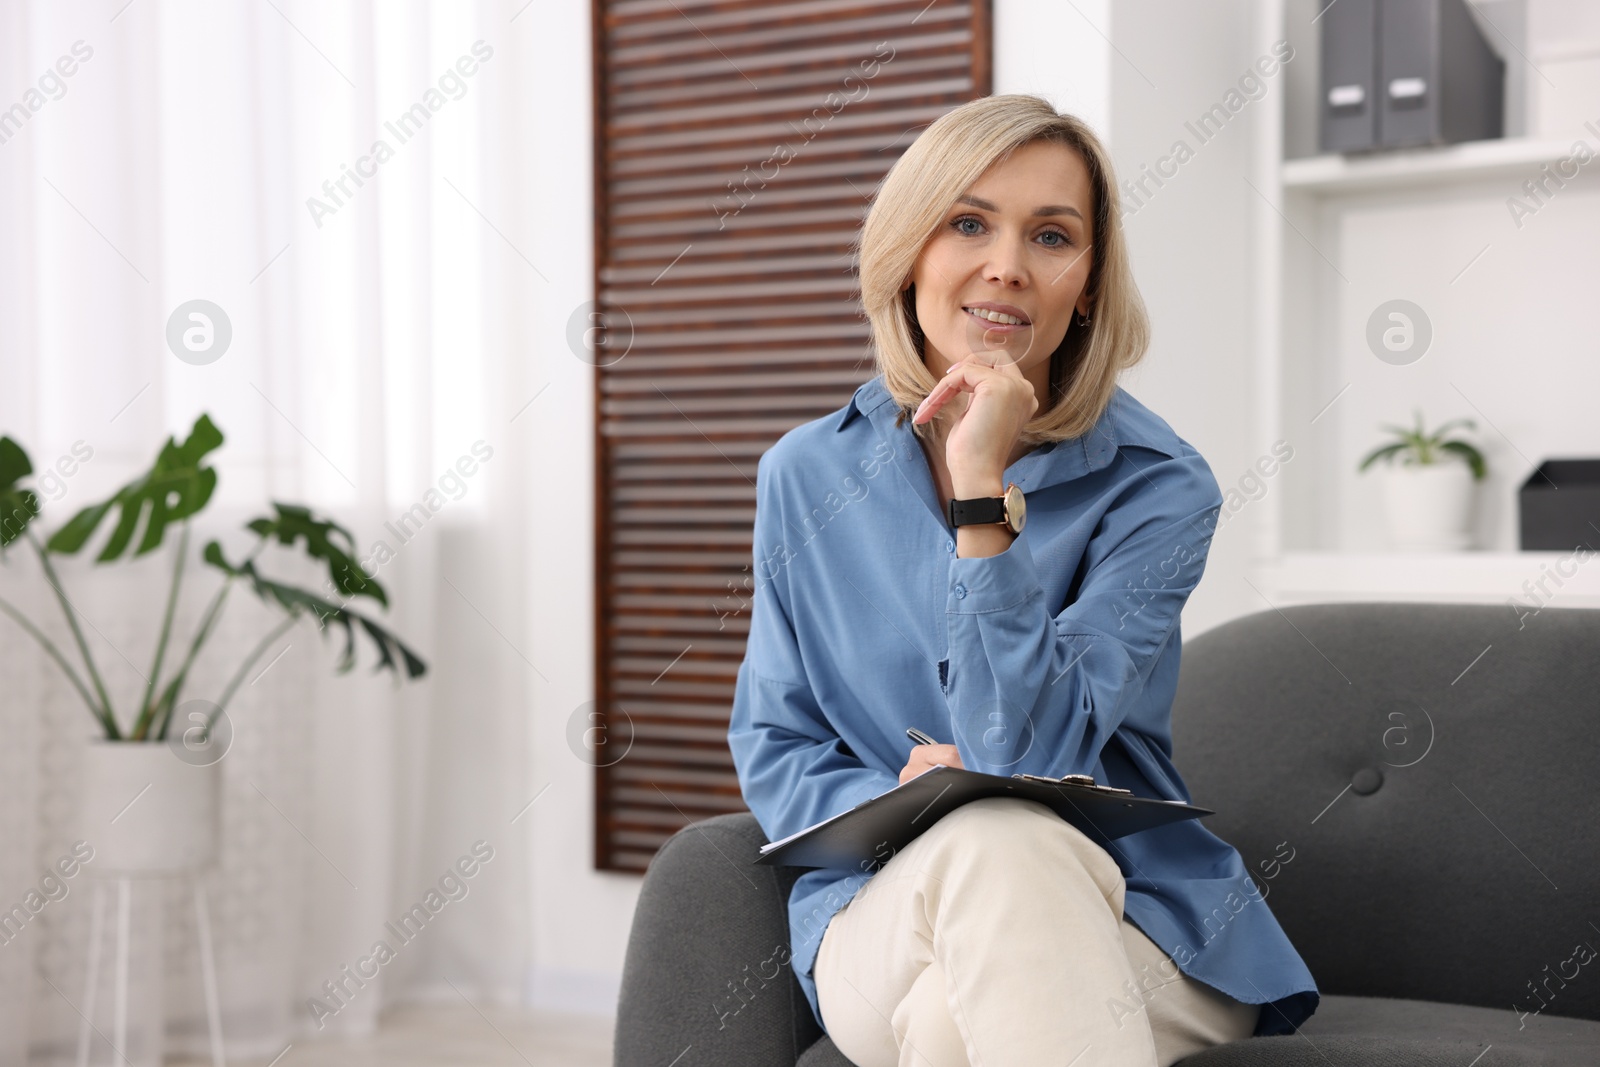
(995, 277)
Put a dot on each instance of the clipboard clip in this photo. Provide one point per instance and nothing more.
(1086, 781)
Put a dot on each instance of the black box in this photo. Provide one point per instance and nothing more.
(1404, 73)
(1559, 506)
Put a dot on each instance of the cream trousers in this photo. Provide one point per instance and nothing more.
(996, 939)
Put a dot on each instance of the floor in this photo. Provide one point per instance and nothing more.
(456, 1036)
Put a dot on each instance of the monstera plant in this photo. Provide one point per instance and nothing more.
(165, 498)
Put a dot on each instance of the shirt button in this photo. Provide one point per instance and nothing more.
(949, 546)
(961, 591)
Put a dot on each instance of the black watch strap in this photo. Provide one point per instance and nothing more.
(983, 509)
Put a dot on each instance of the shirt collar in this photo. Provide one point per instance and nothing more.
(1124, 422)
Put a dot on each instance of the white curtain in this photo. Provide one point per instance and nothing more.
(154, 153)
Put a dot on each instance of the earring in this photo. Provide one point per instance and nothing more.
(1082, 322)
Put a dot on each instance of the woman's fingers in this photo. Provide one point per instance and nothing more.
(923, 758)
(962, 375)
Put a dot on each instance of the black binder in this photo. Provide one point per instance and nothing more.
(869, 833)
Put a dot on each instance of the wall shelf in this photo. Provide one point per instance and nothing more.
(1458, 577)
(1472, 161)
(1336, 239)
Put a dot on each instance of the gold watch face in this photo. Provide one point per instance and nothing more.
(1016, 507)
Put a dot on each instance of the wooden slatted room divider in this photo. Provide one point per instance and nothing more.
(737, 144)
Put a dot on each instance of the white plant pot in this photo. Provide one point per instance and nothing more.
(146, 812)
(1429, 507)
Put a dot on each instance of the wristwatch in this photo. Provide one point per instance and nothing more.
(1010, 510)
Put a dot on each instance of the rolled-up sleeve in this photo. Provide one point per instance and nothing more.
(1036, 691)
(794, 769)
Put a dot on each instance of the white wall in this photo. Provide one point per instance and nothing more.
(1191, 243)
(581, 916)
(1072, 71)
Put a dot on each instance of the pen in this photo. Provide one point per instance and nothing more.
(919, 737)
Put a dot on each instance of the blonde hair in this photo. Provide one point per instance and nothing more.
(910, 203)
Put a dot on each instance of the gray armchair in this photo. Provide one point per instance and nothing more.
(1414, 785)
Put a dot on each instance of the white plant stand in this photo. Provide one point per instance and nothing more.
(150, 814)
(119, 1026)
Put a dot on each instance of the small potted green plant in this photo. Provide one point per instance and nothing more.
(158, 747)
(1428, 485)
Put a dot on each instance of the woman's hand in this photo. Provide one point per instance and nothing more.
(923, 757)
(991, 403)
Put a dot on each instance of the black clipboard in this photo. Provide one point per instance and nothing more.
(872, 831)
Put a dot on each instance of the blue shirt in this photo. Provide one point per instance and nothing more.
(1057, 656)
